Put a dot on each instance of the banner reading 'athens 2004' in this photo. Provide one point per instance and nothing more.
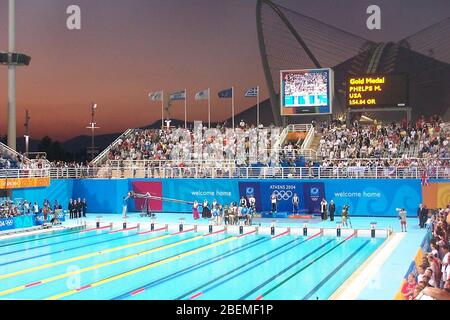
(19, 183)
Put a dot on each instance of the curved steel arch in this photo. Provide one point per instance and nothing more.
(274, 102)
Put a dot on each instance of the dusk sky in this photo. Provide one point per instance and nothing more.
(127, 49)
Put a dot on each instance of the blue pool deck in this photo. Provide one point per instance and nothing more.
(380, 283)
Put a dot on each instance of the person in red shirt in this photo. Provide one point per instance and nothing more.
(409, 287)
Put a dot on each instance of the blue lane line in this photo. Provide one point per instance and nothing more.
(194, 267)
(51, 244)
(279, 284)
(36, 238)
(332, 273)
(65, 250)
(241, 266)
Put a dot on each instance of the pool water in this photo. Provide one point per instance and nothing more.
(162, 265)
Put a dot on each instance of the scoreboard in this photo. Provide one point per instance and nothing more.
(372, 91)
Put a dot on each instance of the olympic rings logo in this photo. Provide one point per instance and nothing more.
(9, 222)
(283, 195)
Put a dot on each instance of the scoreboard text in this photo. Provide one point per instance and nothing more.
(377, 91)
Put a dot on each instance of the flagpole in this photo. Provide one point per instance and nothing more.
(232, 105)
(257, 107)
(209, 108)
(185, 108)
(162, 110)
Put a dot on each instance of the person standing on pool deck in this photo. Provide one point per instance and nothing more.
(84, 207)
(423, 216)
(195, 210)
(125, 205)
(206, 211)
(70, 208)
(79, 208)
(243, 202)
(45, 211)
(36, 208)
(323, 209)
(345, 215)
(332, 210)
(252, 203)
(419, 214)
(402, 214)
(295, 204)
(273, 201)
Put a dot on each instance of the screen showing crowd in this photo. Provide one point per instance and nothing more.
(306, 91)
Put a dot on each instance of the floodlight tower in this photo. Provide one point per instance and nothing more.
(92, 126)
(12, 59)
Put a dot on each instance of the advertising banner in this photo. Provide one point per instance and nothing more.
(224, 191)
(20, 183)
(7, 224)
(154, 188)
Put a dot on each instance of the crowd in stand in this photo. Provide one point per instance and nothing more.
(431, 280)
(77, 208)
(158, 144)
(354, 150)
(10, 209)
(426, 139)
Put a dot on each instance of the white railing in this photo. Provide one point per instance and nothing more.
(230, 172)
(24, 173)
(11, 153)
(309, 138)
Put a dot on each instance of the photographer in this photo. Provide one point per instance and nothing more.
(345, 215)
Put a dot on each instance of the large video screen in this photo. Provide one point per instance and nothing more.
(306, 91)
(374, 91)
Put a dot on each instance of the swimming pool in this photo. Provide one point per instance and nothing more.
(163, 265)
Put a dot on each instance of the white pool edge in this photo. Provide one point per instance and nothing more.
(354, 285)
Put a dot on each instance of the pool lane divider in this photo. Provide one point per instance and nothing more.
(334, 271)
(126, 229)
(68, 249)
(246, 234)
(103, 264)
(146, 267)
(85, 256)
(282, 234)
(241, 266)
(215, 232)
(43, 238)
(279, 284)
(150, 231)
(93, 229)
(184, 231)
(50, 244)
(194, 267)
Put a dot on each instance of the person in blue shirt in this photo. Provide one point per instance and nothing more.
(244, 214)
(125, 204)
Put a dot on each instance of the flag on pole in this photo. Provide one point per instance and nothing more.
(228, 93)
(155, 96)
(251, 93)
(202, 95)
(180, 95)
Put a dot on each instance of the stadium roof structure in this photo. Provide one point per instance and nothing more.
(291, 40)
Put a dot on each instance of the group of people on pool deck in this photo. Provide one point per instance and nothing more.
(233, 213)
(229, 214)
